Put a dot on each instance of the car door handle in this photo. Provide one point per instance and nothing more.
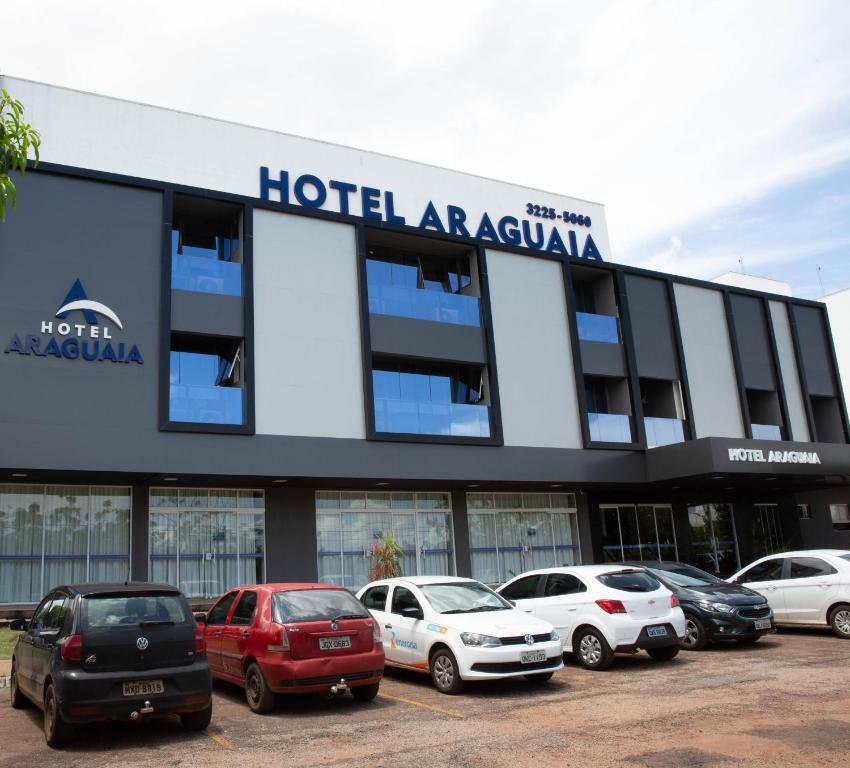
(570, 610)
(246, 633)
(216, 634)
(388, 626)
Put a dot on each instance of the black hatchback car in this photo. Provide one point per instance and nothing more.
(95, 652)
(714, 609)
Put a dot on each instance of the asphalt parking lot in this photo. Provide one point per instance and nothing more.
(781, 702)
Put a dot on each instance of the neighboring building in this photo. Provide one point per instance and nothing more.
(753, 283)
(233, 355)
(838, 304)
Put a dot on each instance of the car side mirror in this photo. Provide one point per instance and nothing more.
(200, 618)
(18, 625)
(412, 612)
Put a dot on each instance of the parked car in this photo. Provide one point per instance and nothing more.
(95, 652)
(714, 609)
(809, 587)
(459, 630)
(293, 638)
(601, 610)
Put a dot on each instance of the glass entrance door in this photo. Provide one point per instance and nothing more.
(767, 531)
(715, 547)
(638, 532)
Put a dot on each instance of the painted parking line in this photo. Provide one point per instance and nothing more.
(442, 711)
(220, 740)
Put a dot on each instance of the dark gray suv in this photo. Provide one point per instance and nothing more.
(95, 652)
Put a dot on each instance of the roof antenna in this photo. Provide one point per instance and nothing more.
(741, 262)
(820, 280)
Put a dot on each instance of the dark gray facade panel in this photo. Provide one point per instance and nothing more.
(814, 350)
(652, 328)
(207, 314)
(426, 339)
(139, 542)
(108, 237)
(754, 347)
(291, 535)
(460, 528)
(586, 533)
(819, 531)
(598, 358)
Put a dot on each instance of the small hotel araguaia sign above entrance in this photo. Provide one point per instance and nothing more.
(92, 340)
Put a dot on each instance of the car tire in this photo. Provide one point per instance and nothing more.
(57, 733)
(592, 651)
(365, 692)
(196, 721)
(839, 620)
(539, 678)
(695, 638)
(19, 701)
(667, 653)
(257, 693)
(445, 673)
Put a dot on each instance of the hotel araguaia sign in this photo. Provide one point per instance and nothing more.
(96, 339)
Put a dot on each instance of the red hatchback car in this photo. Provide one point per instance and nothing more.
(293, 638)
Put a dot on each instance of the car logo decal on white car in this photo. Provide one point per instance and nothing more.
(529, 639)
(142, 643)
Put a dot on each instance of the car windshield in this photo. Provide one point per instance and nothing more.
(685, 575)
(316, 605)
(135, 609)
(463, 597)
(630, 581)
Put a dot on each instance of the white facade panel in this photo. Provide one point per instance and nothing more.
(308, 365)
(788, 369)
(708, 358)
(535, 368)
(838, 306)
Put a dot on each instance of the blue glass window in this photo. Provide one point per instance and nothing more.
(661, 431)
(196, 392)
(610, 427)
(593, 327)
(766, 432)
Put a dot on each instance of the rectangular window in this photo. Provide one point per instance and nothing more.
(713, 540)
(207, 540)
(206, 251)
(840, 514)
(53, 535)
(804, 511)
(767, 530)
(638, 532)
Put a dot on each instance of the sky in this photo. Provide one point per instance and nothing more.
(716, 133)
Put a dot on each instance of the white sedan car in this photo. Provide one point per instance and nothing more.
(810, 587)
(458, 630)
(600, 610)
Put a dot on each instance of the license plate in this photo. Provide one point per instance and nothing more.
(656, 631)
(532, 657)
(143, 687)
(334, 643)
(762, 623)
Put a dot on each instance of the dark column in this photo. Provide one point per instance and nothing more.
(139, 533)
(590, 542)
(683, 531)
(744, 511)
(460, 527)
(789, 520)
(291, 535)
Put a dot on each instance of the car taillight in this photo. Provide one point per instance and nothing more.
(611, 606)
(280, 642)
(376, 632)
(674, 601)
(200, 640)
(72, 648)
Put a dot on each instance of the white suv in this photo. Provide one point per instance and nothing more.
(600, 610)
(809, 587)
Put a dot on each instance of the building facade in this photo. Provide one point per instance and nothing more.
(233, 355)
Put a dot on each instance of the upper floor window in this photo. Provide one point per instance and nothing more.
(597, 314)
(422, 280)
(206, 253)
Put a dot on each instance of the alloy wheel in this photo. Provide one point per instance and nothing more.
(444, 671)
(842, 621)
(590, 649)
(691, 637)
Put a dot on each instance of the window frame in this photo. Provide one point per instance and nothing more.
(396, 590)
(537, 587)
(376, 588)
(250, 622)
(793, 560)
(783, 570)
(583, 587)
(222, 599)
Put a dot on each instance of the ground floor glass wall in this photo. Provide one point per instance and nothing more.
(510, 533)
(207, 540)
(713, 540)
(53, 535)
(349, 522)
(767, 530)
(638, 532)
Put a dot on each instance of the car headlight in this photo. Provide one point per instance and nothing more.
(711, 607)
(554, 635)
(479, 641)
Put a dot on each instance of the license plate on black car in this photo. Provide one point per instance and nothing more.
(143, 687)
(762, 623)
(532, 657)
(656, 631)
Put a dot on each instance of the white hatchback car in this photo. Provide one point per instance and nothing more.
(458, 630)
(809, 587)
(600, 610)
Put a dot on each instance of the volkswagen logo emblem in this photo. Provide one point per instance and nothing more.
(142, 643)
(334, 625)
(529, 639)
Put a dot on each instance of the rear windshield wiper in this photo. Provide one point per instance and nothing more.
(349, 616)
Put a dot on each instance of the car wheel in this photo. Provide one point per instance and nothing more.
(57, 732)
(365, 692)
(196, 721)
(592, 650)
(666, 653)
(260, 699)
(444, 672)
(19, 701)
(539, 678)
(695, 638)
(839, 620)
